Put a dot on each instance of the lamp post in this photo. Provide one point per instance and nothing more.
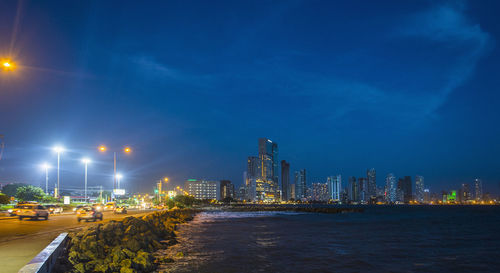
(46, 167)
(86, 161)
(126, 150)
(58, 150)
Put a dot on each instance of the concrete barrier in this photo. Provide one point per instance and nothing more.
(45, 261)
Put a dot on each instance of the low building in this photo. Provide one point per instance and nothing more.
(203, 189)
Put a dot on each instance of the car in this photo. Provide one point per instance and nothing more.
(13, 212)
(97, 206)
(33, 211)
(53, 209)
(88, 213)
(120, 210)
(110, 206)
(75, 209)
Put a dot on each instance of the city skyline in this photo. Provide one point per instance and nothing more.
(412, 94)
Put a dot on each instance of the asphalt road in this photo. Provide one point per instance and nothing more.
(21, 241)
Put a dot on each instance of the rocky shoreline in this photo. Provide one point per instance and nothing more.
(330, 210)
(125, 246)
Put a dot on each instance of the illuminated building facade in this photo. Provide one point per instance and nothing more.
(300, 185)
(371, 175)
(478, 189)
(391, 188)
(419, 188)
(334, 187)
(203, 189)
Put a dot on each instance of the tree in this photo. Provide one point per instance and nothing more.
(11, 189)
(29, 193)
(4, 199)
(184, 200)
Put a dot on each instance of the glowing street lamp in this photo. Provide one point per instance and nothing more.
(46, 167)
(7, 65)
(126, 150)
(58, 150)
(118, 177)
(85, 161)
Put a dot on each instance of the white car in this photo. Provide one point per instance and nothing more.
(33, 211)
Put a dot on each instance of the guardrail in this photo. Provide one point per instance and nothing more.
(46, 260)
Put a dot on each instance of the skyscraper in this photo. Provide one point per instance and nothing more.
(391, 188)
(319, 192)
(371, 175)
(300, 185)
(285, 180)
(353, 190)
(363, 190)
(419, 188)
(267, 183)
(253, 167)
(405, 186)
(464, 194)
(478, 189)
(226, 189)
(334, 187)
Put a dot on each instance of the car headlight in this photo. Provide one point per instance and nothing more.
(9, 211)
(74, 209)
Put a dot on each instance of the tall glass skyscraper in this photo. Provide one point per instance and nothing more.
(391, 188)
(300, 185)
(285, 180)
(334, 187)
(478, 189)
(419, 188)
(371, 175)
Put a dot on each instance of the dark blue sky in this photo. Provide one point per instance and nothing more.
(409, 87)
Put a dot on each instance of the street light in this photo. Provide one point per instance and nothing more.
(58, 150)
(126, 150)
(85, 161)
(7, 65)
(46, 167)
(118, 177)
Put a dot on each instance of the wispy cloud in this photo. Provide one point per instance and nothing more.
(449, 25)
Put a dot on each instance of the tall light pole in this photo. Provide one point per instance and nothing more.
(86, 161)
(58, 150)
(46, 167)
(126, 150)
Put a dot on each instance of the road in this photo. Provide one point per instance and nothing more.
(21, 241)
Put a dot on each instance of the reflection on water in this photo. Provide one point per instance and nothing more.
(382, 239)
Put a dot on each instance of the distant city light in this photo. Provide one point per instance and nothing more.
(127, 150)
(45, 166)
(119, 176)
(102, 148)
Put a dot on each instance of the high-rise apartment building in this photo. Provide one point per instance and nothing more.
(478, 189)
(319, 192)
(405, 188)
(300, 185)
(464, 194)
(334, 187)
(419, 188)
(285, 180)
(353, 190)
(363, 190)
(262, 173)
(371, 175)
(226, 189)
(391, 188)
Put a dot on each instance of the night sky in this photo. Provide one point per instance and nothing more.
(409, 87)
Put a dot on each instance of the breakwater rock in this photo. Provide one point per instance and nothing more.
(292, 208)
(125, 246)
